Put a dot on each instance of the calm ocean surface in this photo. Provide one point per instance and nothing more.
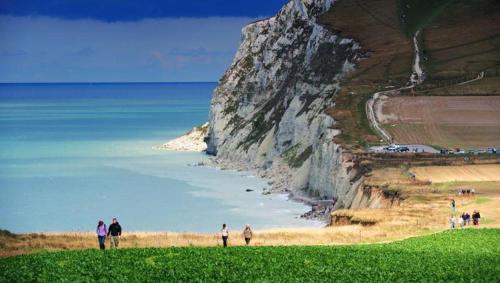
(73, 153)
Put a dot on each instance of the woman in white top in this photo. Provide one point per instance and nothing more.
(225, 234)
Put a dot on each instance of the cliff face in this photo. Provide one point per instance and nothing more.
(268, 108)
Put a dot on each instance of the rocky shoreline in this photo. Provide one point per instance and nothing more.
(278, 176)
(278, 180)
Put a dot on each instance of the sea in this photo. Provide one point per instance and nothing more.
(74, 153)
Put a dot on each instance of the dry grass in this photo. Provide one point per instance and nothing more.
(350, 234)
(470, 173)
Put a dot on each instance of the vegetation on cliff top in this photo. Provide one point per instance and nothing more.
(462, 255)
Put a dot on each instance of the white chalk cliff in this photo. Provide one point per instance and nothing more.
(267, 110)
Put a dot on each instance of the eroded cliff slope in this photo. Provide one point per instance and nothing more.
(267, 111)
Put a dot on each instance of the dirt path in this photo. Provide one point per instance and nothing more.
(416, 78)
(374, 105)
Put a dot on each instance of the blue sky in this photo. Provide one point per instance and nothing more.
(122, 41)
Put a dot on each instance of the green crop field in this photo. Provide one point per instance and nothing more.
(460, 255)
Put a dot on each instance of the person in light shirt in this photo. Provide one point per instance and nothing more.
(225, 234)
(247, 233)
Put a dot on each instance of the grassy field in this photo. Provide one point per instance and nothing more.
(446, 121)
(461, 255)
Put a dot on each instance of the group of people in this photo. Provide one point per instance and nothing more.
(464, 219)
(114, 232)
(247, 234)
(466, 192)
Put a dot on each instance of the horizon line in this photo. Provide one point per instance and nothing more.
(173, 82)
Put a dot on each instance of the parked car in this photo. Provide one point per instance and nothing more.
(403, 149)
(392, 147)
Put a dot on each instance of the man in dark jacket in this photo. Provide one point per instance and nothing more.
(115, 230)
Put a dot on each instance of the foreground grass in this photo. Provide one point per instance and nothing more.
(461, 255)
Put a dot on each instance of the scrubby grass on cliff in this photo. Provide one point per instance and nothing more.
(461, 255)
(419, 13)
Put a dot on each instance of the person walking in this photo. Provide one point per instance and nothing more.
(453, 207)
(247, 233)
(464, 218)
(101, 232)
(225, 234)
(115, 230)
(467, 218)
(461, 222)
(476, 217)
(452, 222)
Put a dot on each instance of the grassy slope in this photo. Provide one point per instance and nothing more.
(420, 13)
(463, 41)
(465, 255)
(460, 38)
(389, 55)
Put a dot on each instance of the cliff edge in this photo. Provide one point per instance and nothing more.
(268, 109)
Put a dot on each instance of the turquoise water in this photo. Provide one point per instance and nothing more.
(73, 153)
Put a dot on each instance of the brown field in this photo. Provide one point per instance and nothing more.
(448, 121)
(466, 173)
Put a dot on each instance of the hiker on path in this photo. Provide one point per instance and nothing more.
(452, 222)
(467, 218)
(247, 233)
(101, 232)
(225, 234)
(461, 222)
(476, 217)
(464, 218)
(453, 206)
(115, 230)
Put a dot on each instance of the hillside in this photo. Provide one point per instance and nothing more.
(458, 40)
(462, 255)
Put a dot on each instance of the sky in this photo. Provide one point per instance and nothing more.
(123, 40)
